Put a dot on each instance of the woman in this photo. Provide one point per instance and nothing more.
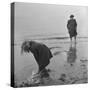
(72, 27)
(40, 51)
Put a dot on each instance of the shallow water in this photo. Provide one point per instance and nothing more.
(70, 61)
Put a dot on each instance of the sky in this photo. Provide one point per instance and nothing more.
(46, 19)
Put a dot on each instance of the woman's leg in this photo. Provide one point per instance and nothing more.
(70, 38)
(75, 38)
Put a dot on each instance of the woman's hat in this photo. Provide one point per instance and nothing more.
(71, 16)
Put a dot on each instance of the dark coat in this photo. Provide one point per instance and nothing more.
(72, 27)
(41, 53)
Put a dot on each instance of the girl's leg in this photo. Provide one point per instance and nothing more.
(41, 68)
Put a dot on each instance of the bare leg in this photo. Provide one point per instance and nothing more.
(43, 72)
(75, 38)
(71, 39)
(41, 68)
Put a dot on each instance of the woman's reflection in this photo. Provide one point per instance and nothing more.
(71, 54)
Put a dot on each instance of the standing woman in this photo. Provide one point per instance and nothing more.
(72, 27)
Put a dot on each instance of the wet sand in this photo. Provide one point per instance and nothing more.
(69, 65)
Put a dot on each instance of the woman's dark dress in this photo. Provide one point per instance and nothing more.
(72, 27)
(41, 53)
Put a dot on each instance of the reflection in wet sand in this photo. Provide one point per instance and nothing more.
(71, 54)
(68, 66)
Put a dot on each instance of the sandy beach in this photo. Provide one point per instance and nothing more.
(69, 64)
